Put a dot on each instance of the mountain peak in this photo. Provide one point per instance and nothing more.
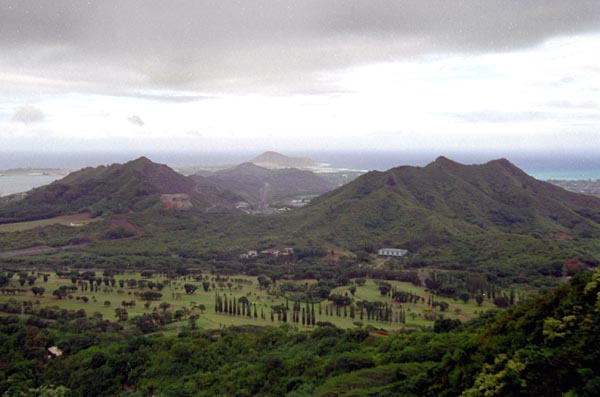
(143, 160)
(272, 159)
(443, 159)
(507, 166)
(445, 162)
(503, 162)
(272, 153)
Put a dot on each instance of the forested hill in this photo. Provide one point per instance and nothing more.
(133, 186)
(434, 204)
(262, 185)
(549, 346)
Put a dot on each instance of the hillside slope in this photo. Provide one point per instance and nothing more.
(432, 205)
(133, 186)
(259, 185)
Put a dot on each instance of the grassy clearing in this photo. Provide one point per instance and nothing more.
(66, 220)
(237, 286)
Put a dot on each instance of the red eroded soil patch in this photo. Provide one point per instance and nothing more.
(571, 263)
(179, 201)
(562, 236)
(379, 333)
(121, 220)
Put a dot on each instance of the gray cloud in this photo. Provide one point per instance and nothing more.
(137, 120)
(578, 105)
(502, 117)
(28, 115)
(274, 44)
(522, 117)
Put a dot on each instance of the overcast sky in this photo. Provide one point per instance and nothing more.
(299, 75)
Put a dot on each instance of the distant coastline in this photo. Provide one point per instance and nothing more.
(20, 172)
(11, 184)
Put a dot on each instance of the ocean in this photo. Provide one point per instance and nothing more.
(10, 184)
(543, 166)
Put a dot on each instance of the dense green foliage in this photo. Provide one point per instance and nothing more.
(549, 346)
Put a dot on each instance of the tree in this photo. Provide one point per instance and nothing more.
(38, 291)
(60, 293)
(164, 306)
(263, 282)
(340, 300)
(479, 299)
(206, 285)
(193, 318)
(121, 314)
(182, 271)
(445, 325)
(151, 295)
(502, 301)
(352, 289)
(132, 283)
(190, 288)
(384, 288)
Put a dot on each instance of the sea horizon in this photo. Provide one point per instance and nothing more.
(543, 166)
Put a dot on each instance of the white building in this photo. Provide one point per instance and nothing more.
(392, 252)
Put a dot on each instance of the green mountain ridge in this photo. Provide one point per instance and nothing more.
(133, 186)
(489, 216)
(432, 205)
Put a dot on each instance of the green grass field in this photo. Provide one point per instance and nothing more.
(66, 220)
(174, 294)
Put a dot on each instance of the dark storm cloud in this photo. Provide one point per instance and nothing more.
(220, 43)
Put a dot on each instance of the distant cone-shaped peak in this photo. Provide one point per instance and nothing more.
(444, 162)
(142, 160)
(272, 159)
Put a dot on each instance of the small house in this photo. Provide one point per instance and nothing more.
(271, 251)
(395, 252)
(249, 254)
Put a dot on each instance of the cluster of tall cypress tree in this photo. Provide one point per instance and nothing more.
(305, 313)
(236, 306)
